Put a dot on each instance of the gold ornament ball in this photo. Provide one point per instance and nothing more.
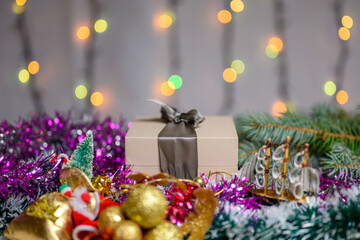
(199, 180)
(127, 230)
(146, 205)
(110, 218)
(163, 231)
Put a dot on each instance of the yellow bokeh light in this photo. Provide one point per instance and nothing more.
(329, 88)
(278, 108)
(33, 67)
(83, 33)
(81, 92)
(237, 5)
(277, 42)
(100, 26)
(18, 9)
(271, 51)
(344, 33)
(97, 99)
(20, 2)
(165, 21)
(229, 75)
(347, 21)
(342, 97)
(24, 76)
(224, 16)
(238, 66)
(167, 88)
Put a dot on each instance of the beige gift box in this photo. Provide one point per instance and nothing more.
(217, 144)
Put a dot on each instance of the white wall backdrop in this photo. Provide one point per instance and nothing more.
(132, 57)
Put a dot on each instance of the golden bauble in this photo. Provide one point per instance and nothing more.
(127, 230)
(163, 231)
(146, 205)
(199, 180)
(110, 218)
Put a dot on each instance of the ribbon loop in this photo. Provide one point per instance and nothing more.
(171, 114)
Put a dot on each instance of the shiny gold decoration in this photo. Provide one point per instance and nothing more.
(41, 209)
(164, 231)
(102, 184)
(75, 178)
(110, 218)
(146, 205)
(27, 227)
(127, 230)
(200, 181)
(199, 222)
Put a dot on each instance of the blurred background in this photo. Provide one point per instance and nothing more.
(221, 57)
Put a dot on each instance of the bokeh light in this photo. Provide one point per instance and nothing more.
(237, 5)
(20, 2)
(329, 88)
(277, 42)
(290, 107)
(81, 91)
(176, 81)
(17, 9)
(224, 16)
(229, 75)
(344, 33)
(83, 33)
(238, 66)
(100, 26)
(271, 51)
(97, 99)
(342, 97)
(167, 88)
(347, 21)
(24, 76)
(278, 108)
(165, 21)
(33, 67)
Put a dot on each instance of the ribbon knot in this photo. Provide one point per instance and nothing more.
(171, 114)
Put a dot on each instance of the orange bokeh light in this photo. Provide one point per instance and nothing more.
(20, 2)
(83, 33)
(33, 67)
(164, 21)
(278, 108)
(229, 75)
(167, 88)
(224, 16)
(277, 42)
(344, 33)
(342, 97)
(97, 99)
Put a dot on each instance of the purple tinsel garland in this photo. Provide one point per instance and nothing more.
(24, 170)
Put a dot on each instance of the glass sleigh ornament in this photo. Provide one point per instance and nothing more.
(286, 185)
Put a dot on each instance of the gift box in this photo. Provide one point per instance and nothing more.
(217, 145)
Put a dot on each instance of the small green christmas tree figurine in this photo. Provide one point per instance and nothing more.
(82, 157)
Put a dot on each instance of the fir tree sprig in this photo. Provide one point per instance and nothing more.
(324, 127)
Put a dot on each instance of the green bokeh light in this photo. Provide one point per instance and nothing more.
(238, 66)
(270, 52)
(329, 88)
(81, 92)
(176, 80)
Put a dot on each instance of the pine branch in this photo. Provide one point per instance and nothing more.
(341, 161)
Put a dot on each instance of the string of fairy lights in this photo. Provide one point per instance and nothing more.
(174, 82)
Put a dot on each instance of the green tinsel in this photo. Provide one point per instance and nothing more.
(82, 157)
(340, 220)
(325, 128)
